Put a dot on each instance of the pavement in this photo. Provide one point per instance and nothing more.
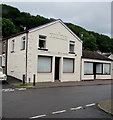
(64, 84)
(106, 106)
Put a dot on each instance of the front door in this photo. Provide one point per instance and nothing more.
(57, 61)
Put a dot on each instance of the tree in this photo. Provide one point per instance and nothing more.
(8, 28)
(89, 43)
(15, 19)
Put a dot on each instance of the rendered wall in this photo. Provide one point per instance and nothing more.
(16, 61)
(58, 38)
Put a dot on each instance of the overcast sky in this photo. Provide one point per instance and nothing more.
(93, 16)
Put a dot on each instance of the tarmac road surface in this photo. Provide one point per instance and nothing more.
(60, 102)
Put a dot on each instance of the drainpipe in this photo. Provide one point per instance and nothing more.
(26, 54)
(81, 68)
(6, 54)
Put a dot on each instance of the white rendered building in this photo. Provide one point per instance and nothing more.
(47, 53)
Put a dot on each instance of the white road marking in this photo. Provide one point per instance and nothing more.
(3, 89)
(20, 88)
(77, 108)
(39, 116)
(9, 89)
(62, 111)
(12, 90)
(88, 105)
(57, 112)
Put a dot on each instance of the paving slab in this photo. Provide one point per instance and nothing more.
(64, 84)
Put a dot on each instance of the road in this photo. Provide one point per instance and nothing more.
(60, 102)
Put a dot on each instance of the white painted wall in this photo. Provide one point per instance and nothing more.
(16, 60)
(58, 38)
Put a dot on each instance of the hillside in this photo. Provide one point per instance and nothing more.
(13, 21)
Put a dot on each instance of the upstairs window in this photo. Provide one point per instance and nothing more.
(4, 47)
(23, 43)
(12, 45)
(71, 46)
(42, 42)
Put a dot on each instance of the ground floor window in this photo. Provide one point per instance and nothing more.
(44, 64)
(106, 68)
(99, 68)
(96, 68)
(68, 65)
(88, 68)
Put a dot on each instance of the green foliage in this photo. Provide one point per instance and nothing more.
(90, 43)
(91, 40)
(23, 19)
(8, 28)
(10, 12)
(23, 84)
(13, 22)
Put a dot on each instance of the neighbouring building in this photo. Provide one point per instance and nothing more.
(2, 54)
(46, 53)
(0, 46)
(96, 66)
(109, 55)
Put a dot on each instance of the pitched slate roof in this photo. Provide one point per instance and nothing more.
(107, 54)
(94, 55)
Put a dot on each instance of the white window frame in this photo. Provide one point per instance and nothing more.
(42, 39)
(88, 66)
(99, 69)
(12, 45)
(23, 44)
(65, 68)
(41, 66)
(104, 68)
(71, 43)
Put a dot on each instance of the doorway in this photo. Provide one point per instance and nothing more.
(57, 66)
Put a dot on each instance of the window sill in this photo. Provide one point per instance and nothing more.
(69, 72)
(88, 74)
(22, 49)
(97, 74)
(72, 52)
(102, 74)
(44, 72)
(12, 51)
(45, 49)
